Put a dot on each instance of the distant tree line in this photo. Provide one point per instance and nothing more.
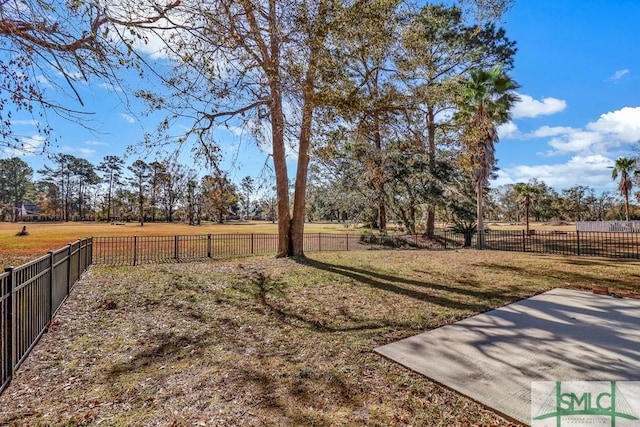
(346, 200)
(73, 189)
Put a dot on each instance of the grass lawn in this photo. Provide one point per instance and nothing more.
(43, 237)
(264, 341)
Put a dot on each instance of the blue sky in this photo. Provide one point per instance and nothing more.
(578, 65)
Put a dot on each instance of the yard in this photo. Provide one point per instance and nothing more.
(263, 341)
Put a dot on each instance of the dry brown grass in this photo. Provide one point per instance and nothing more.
(43, 237)
(274, 342)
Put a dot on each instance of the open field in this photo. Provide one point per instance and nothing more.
(264, 341)
(43, 237)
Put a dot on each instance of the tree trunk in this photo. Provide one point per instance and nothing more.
(412, 217)
(382, 214)
(626, 203)
(431, 153)
(80, 202)
(141, 210)
(382, 208)
(109, 201)
(299, 198)
(280, 168)
(480, 226)
(308, 94)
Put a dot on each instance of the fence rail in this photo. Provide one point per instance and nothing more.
(135, 250)
(30, 295)
(165, 249)
(580, 243)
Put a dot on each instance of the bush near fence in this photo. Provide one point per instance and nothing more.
(30, 295)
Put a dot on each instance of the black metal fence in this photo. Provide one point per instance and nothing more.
(30, 295)
(135, 250)
(580, 243)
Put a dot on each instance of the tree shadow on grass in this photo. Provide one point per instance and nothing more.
(561, 277)
(267, 286)
(401, 286)
(160, 348)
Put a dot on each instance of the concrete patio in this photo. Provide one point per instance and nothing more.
(560, 335)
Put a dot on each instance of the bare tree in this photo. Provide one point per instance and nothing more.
(61, 43)
(111, 167)
(255, 63)
(140, 171)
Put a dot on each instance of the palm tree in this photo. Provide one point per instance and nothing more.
(526, 195)
(624, 167)
(486, 100)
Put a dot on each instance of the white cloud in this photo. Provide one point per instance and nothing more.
(619, 74)
(128, 118)
(43, 81)
(547, 131)
(576, 141)
(84, 151)
(111, 87)
(237, 130)
(87, 151)
(29, 122)
(611, 130)
(32, 144)
(96, 143)
(587, 152)
(154, 46)
(28, 145)
(507, 130)
(623, 124)
(592, 170)
(526, 106)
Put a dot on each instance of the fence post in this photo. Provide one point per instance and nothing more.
(79, 258)
(578, 241)
(89, 252)
(135, 250)
(51, 284)
(524, 242)
(251, 243)
(81, 252)
(347, 236)
(85, 249)
(208, 245)
(319, 243)
(69, 248)
(11, 321)
(175, 247)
